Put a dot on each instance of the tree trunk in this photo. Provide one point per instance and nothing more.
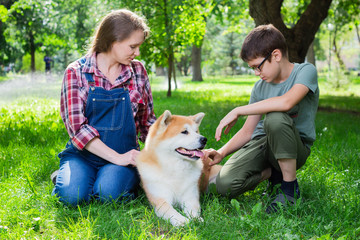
(196, 64)
(66, 53)
(32, 51)
(302, 34)
(337, 53)
(310, 56)
(357, 32)
(170, 50)
(170, 65)
(174, 73)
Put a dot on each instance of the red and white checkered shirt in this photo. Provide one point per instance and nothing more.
(75, 90)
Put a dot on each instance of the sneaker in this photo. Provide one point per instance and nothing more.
(281, 200)
(271, 190)
(53, 177)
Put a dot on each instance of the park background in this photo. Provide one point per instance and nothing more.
(193, 64)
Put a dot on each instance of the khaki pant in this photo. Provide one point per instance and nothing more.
(242, 172)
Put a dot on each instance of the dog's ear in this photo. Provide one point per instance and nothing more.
(166, 118)
(198, 117)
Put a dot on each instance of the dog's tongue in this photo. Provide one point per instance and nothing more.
(191, 153)
(196, 153)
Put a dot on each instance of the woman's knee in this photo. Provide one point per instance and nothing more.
(74, 182)
(72, 195)
(116, 182)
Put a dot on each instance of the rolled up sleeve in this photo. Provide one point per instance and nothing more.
(72, 110)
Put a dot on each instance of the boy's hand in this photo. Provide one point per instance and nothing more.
(214, 155)
(228, 121)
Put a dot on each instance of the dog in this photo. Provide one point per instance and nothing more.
(170, 167)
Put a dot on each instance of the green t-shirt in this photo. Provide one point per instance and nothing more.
(304, 112)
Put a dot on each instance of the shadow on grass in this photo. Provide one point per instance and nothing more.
(350, 104)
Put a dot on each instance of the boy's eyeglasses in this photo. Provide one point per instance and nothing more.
(262, 62)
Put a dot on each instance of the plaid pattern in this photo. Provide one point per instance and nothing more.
(75, 90)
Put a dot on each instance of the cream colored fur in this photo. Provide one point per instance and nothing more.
(169, 178)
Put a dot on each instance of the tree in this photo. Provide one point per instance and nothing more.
(26, 20)
(301, 35)
(71, 27)
(234, 8)
(343, 17)
(183, 60)
(200, 9)
(173, 27)
(5, 51)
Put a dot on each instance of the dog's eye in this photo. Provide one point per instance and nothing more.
(185, 132)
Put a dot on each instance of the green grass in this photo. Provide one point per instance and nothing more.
(32, 133)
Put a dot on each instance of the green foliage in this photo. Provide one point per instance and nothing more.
(26, 23)
(39, 62)
(173, 24)
(32, 133)
(63, 29)
(191, 24)
(3, 13)
(4, 78)
(338, 79)
(343, 17)
(292, 10)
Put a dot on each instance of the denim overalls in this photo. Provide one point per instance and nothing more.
(84, 175)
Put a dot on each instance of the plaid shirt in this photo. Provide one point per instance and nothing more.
(75, 90)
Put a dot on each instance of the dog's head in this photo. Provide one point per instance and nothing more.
(179, 134)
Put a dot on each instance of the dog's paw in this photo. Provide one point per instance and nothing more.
(200, 219)
(179, 221)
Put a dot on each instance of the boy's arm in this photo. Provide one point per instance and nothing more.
(275, 104)
(241, 137)
(236, 142)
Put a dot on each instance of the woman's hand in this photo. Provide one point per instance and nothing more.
(97, 147)
(228, 122)
(128, 158)
(214, 155)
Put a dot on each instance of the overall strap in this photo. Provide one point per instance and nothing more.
(88, 76)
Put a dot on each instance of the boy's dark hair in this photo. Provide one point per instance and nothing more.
(261, 41)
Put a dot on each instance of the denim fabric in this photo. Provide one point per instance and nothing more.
(83, 175)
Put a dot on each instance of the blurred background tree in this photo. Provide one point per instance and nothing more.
(188, 37)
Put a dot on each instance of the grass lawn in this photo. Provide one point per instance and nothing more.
(32, 133)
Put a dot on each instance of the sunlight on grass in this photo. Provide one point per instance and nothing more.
(32, 133)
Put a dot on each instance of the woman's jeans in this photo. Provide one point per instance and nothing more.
(81, 179)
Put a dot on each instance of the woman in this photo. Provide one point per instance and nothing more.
(106, 101)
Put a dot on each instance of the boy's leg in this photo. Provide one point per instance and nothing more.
(242, 172)
(288, 152)
(284, 140)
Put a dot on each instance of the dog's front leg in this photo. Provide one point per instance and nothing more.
(192, 209)
(165, 210)
(191, 205)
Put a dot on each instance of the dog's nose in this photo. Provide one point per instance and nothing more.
(203, 140)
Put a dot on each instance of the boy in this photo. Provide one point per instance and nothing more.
(276, 146)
